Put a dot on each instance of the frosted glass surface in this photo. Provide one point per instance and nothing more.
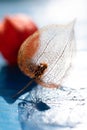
(64, 108)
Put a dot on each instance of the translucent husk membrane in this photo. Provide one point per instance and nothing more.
(50, 108)
(53, 45)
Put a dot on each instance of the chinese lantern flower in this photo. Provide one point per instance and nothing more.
(13, 31)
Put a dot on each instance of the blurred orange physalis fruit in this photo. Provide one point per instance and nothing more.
(13, 31)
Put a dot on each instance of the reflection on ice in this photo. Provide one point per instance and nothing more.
(54, 109)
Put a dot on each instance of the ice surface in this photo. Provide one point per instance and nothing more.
(63, 109)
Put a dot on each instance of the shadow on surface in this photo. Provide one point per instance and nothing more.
(12, 80)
